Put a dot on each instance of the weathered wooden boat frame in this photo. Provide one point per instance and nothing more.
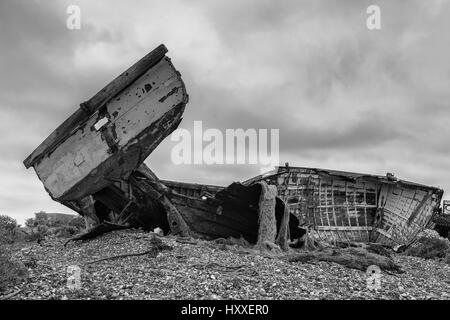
(116, 186)
(111, 134)
(144, 201)
(346, 206)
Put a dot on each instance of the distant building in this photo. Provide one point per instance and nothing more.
(61, 217)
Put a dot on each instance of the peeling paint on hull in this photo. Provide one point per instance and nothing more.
(116, 138)
(346, 207)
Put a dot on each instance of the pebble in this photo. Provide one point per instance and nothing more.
(166, 277)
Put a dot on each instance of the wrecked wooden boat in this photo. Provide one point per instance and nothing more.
(253, 213)
(344, 206)
(235, 211)
(93, 164)
(337, 206)
(332, 206)
(112, 133)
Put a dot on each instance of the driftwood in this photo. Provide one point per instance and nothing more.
(98, 230)
(8, 296)
(379, 249)
(354, 258)
(375, 248)
(186, 240)
(218, 267)
(153, 252)
(230, 241)
(156, 245)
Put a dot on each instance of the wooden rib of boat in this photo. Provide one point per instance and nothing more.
(345, 206)
(339, 206)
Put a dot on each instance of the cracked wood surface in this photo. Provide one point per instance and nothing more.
(135, 121)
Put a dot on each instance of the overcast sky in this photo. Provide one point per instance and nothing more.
(343, 97)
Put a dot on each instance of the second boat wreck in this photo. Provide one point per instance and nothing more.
(93, 164)
(337, 206)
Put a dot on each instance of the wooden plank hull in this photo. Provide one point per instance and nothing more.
(98, 101)
(232, 213)
(341, 206)
(334, 206)
(115, 139)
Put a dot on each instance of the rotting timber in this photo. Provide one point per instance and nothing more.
(347, 206)
(93, 164)
(336, 206)
(234, 211)
(111, 134)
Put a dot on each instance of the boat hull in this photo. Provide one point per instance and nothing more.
(342, 206)
(116, 138)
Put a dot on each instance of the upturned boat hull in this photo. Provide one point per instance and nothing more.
(113, 132)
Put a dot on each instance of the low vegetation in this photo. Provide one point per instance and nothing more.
(13, 236)
(12, 271)
(10, 231)
(430, 245)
